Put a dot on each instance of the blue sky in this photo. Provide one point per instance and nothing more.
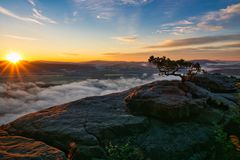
(81, 30)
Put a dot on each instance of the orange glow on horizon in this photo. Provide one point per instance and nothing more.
(137, 56)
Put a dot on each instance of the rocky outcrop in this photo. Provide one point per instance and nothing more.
(167, 120)
(165, 100)
(216, 82)
(17, 147)
(176, 101)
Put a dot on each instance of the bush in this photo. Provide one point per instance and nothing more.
(224, 149)
(124, 152)
(221, 138)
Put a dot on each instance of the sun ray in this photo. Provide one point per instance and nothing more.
(15, 69)
(24, 68)
(7, 65)
(19, 76)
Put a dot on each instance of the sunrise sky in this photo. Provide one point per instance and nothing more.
(128, 30)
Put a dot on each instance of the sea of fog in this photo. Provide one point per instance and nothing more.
(17, 99)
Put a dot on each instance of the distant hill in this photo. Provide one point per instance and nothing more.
(101, 69)
(52, 71)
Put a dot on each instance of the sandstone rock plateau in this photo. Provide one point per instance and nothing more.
(167, 120)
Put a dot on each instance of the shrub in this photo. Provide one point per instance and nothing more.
(124, 152)
(223, 146)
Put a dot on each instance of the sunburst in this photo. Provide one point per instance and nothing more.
(15, 68)
(13, 57)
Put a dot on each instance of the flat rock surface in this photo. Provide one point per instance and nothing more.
(87, 122)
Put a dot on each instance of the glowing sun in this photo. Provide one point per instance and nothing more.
(13, 57)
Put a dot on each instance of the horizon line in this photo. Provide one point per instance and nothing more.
(90, 61)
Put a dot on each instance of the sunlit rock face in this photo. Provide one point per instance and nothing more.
(17, 147)
(167, 120)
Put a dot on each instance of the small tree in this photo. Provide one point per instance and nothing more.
(168, 67)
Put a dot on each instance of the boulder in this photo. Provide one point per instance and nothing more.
(223, 101)
(216, 82)
(17, 147)
(176, 101)
(165, 100)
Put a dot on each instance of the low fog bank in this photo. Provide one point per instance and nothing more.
(17, 99)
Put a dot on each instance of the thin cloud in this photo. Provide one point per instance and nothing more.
(135, 2)
(103, 9)
(226, 46)
(104, 15)
(38, 15)
(32, 2)
(195, 41)
(183, 22)
(106, 9)
(210, 21)
(221, 15)
(206, 26)
(179, 30)
(208, 50)
(131, 38)
(20, 37)
(111, 2)
(75, 13)
(13, 15)
(229, 53)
